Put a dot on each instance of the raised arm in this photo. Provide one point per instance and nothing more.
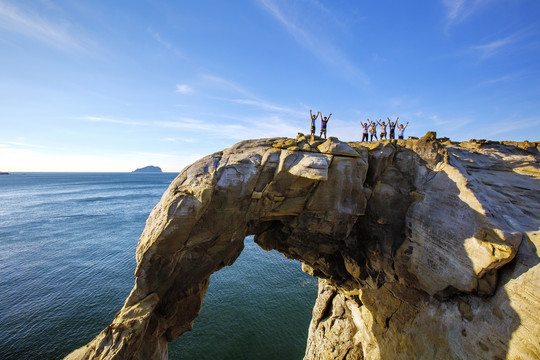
(329, 117)
(378, 122)
(405, 125)
(397, 120)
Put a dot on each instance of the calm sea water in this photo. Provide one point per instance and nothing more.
(67, 257)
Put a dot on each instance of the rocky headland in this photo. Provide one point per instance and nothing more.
(424, 249)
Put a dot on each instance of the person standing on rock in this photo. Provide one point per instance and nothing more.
(401, 130)
(313, 118)
(392, 126)
(324, 121)
(383, 129)
(373, 130)
(365, 132)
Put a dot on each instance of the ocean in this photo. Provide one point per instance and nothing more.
(67, 257)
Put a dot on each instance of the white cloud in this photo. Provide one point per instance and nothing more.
(252, 128)
(178, 139)
(459, 10)
(184, 89)
(57, 33)
(113, 121)
(16, 143)
(165, 43)
(503, 127)
(454, 8)
(267, 106)
(500, 79)
(250, 99)
(318, 44)
(225, 84)
(494, 47)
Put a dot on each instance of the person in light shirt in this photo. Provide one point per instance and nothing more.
(401, 130)
(365, 133)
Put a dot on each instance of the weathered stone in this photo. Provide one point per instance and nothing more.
(424, 248)
(335, 147)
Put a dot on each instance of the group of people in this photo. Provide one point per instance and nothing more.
(369, 127)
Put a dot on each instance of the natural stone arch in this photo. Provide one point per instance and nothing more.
(309, 200)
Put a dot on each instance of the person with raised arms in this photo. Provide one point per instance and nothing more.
(365, 127)
(373, 130)
(392, 126)
(383, 129)
(313, 118)
(324, 121)
(401, 130)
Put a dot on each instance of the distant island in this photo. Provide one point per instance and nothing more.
(4, 173)
(148, 169)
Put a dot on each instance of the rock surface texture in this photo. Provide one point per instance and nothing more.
(425, 249)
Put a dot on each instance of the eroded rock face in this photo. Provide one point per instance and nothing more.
(424, 248)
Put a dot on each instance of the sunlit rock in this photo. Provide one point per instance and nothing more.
(424, 248)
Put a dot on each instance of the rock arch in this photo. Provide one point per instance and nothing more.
(401, 234)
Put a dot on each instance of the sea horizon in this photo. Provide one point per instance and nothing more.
(67, 261)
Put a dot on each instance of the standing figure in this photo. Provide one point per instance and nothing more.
(373, 131)
(401, 130)
(392, 126)
(313, 118)
(324, 120)
(383, 129)
(365, 132)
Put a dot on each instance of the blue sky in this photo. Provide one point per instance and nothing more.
(116, 85)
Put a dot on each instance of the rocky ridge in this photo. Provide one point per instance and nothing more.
(424, 248)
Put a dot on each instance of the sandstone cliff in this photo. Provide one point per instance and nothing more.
(424, 248)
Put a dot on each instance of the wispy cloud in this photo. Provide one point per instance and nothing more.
(500, 79)
(153, 155)
(494, 47)
(249, 99)
(165, 43)
(504, 127)
(318, 44)
(252, 128)
(178, 139)
(459, 10)
(402, 101)
(184, 89)
(113, 121)
(57, 33)
(267, 119)
(453, 8)
(225, 84)
(267, 106)
(21, 144)
(454, 123)
(202, 125)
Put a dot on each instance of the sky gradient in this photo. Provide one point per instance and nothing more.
(117, 85)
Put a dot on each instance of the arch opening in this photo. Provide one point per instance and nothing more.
(258, 307)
